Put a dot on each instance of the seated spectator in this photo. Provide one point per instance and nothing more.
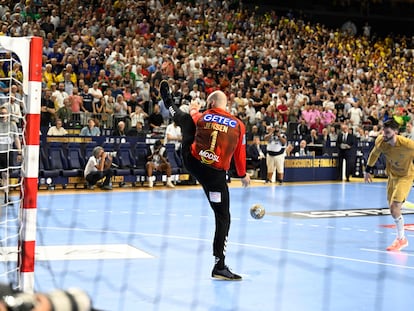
(91, 129)
(98, 167)
(57, 130)
(138, 131)
(256, 158)
(300, 150)
(157, 161)
(313, 138)
(120, 129)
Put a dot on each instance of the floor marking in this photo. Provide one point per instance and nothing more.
(285, 250)
(79, 252)
(386, 252)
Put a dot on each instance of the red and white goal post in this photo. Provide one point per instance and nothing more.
(28, 52)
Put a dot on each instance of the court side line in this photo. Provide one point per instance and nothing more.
(298, 252)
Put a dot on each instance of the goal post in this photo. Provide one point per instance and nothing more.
(29, 53)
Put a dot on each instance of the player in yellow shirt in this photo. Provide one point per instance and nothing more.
(399, 155)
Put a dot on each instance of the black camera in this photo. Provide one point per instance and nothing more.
(60, 300)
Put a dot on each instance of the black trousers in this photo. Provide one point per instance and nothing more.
(350, 164)
(93, 177)
(213, 182)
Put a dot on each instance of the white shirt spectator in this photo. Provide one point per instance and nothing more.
(173, 135)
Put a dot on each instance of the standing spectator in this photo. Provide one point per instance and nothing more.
(155, 119)
(121, 110)
(15, 111)
(65, 113)
(48, 76)
(138, 115)
(76, 104)
(59, 95)
(173, 135)
(275, 157)
(87, 106)
(9, 140)
(346, 143)
(47, 110)
(409, 132)
(96, 94)
(355, 115)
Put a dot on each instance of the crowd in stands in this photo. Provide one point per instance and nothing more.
(103, 61)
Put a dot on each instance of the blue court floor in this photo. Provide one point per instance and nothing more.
(319, 247)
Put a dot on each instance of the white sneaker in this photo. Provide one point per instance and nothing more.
(170, 184)
(407, 206)
(150, 182)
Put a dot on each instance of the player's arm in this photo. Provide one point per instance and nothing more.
(240, 158)
(372, 159)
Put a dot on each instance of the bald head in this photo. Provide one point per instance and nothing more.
(217, 99)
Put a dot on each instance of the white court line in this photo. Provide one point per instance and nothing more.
(291, 251)
(386, 252)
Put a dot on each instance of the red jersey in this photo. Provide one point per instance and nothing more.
(219, 137)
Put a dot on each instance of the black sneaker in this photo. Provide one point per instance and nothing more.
(167, 98)
(225, 274)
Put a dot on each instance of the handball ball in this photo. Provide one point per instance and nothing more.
(257, 211)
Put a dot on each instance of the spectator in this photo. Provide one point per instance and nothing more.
(96, 94)
(301, 150)
(173, 135)
(59, 95)
(157, 161)
(76, 105)
(275, 157)
(87, 103)
(138, 131)
(120, 129)
(91, 129)
(47, 109)
(256, 158)
(65, 113)
(347, 152)
(98, 167)
(155, 119)
(138, 115)
(57, 130)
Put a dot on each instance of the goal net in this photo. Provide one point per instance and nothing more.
(20, 93)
